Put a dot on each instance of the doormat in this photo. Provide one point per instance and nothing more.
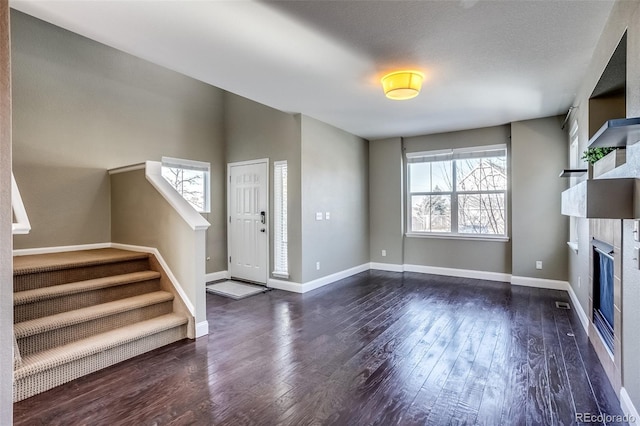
(234, 289)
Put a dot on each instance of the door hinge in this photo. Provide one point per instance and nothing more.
(229, 219)
(229, 259)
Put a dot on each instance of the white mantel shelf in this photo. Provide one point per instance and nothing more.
(603, 199)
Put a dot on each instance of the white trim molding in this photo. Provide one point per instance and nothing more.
(462, 273)
(21, 225)
(125, 169)
(317, 283)
(202, 328)
(540, 283)
(390, 267)
(60, 249)
(578, 308)
(628, 408)
(216, 276)
(285, 285)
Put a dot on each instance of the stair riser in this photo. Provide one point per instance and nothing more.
(62, 336)
(25, 387)
(82, 300)
(45, 279)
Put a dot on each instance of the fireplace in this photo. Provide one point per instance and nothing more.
(603, 292)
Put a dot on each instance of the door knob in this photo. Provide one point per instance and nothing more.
(263, 230)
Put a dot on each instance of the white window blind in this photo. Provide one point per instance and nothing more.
(281, 258)
(191, 179)
(574, 162)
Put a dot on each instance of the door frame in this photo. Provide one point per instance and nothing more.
(268, 210)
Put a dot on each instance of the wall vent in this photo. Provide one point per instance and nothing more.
(562, 305)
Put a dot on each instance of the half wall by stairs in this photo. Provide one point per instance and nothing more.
(78, 312)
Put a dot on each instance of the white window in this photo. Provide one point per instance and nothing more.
(281, 261)
(460, 192)
(191, 179)
(574, 162)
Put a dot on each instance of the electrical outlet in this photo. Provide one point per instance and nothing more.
(579, 281)
(538, 264)
(327, 215)
(317, 266)
(384, 253)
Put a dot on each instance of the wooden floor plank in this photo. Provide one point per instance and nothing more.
(377, 348)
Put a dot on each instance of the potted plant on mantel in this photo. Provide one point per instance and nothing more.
(604, 159)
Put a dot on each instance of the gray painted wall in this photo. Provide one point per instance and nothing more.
(335, 179)
(141, 216)
(81, 108)
(256, 131)
(538, 231)
(385, 201)
(6, 217)
(488, 256)
(624, 16)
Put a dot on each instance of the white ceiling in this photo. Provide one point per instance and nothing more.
(487, 62)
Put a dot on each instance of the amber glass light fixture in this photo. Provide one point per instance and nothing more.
(400, 85)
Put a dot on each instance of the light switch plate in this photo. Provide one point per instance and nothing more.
(327, 215)
(319, 216)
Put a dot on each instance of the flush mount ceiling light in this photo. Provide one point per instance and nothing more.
(400, 85)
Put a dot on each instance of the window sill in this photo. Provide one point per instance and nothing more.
(497, 239)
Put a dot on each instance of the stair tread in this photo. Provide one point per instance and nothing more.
(29, 264)
(65, 319)
(44, 293)
(60, 355)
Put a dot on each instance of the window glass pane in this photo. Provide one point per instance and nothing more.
(441, 176)
(420, 213)
(431, 213)
(420, 177)
(440, 213)
(191, 184)
(482, 174)
(481, 214)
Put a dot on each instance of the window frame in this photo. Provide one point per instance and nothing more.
(172, 162)
(455, 154)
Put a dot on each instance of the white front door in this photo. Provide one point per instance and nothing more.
(248, 234)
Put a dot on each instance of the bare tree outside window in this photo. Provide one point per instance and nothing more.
(191, 183)
(460, 196)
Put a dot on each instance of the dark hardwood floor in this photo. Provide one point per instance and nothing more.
(377, 348)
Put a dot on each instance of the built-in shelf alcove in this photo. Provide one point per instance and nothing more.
(608, 100)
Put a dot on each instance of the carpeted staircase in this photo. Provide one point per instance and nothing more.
(78, 312)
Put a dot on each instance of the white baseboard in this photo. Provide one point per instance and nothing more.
(578, 308)
(216, 276)
(60, 249)
(284, 285)
(391, 267)
(329, 279)
(202, 328)
(628, 408)
(317, 283)
(463, 273)
(540, 283)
